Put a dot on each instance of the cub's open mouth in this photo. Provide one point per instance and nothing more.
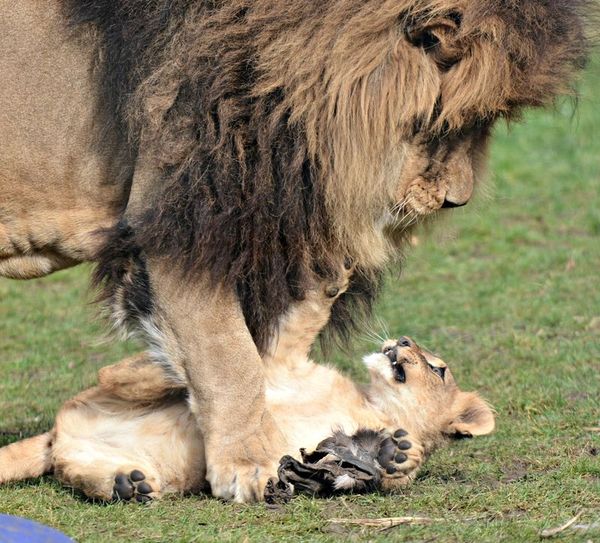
(399, 373)
(397, 366)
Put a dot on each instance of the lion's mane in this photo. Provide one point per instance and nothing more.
(276, 126)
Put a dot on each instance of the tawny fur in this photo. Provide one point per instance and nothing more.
(250, 147)
(326, 127)
(136, 419)
(314, 122)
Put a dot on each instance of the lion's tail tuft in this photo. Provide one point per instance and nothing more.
(26, 458)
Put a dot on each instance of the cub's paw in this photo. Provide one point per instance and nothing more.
(399, 456)
(134, 486)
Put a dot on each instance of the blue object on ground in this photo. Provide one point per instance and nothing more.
(22, 530)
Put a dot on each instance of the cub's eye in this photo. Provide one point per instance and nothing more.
(437, 370)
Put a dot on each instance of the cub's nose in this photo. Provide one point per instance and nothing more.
(390, 352)
(405, 342)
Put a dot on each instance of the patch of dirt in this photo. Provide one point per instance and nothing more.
(594, 325)
(453, 476)
(578, 396)
(518, 471)
(592, 451)
(514, 514)
(488, 482)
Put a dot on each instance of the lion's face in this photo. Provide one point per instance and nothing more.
(471, 64)
(438, 173)
(397, 98)
(418, 385)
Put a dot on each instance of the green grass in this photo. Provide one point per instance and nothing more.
(507, 290)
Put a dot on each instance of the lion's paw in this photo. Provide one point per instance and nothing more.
(241, 482)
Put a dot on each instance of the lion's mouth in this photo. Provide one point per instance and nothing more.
(449, 205)
(420, 204)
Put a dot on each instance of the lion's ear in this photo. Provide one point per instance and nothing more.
(472, 416)
(438, 36)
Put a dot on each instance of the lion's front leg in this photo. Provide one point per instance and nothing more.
(203, 338)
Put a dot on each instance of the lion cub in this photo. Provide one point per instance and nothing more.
(134, 436)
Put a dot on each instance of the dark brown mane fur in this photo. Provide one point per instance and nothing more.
(272, 122)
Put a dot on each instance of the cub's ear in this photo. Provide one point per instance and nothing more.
(438, 36)
(472, 416)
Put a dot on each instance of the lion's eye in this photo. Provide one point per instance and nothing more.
(437, 370)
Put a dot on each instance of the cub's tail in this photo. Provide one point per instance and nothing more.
(26, 458)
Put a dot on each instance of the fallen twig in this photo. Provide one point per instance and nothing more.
(586, 527)
(592, 429)
(551, 532)
(385, 523)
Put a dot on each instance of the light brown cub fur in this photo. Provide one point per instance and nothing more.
(138, 422)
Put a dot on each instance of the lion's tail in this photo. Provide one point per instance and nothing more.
(26, 458)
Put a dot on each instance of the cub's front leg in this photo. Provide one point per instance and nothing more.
(399, 458)
(363, 462)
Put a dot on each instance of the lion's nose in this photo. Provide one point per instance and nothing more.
(405, 342)
(459, 179)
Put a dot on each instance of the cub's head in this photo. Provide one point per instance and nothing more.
(417, 389)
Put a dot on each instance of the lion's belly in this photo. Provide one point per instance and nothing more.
(58, 181)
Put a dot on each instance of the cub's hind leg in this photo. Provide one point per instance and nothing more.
(113, 448)
(135, 485)
(108, 478)
(138, 378)
(102, 450)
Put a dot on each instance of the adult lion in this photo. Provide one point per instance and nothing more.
(250, 147)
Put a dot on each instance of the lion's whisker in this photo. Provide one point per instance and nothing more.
(381, 323)
(374, 334)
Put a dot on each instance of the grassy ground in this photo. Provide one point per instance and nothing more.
(507, 290)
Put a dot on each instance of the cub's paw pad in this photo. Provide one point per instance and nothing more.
(132, 486)
(394, 453)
